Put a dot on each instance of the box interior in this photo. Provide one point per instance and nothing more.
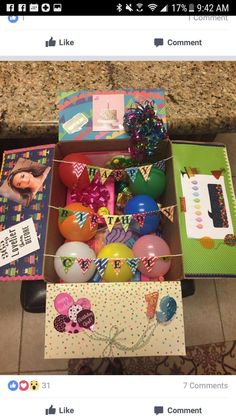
(58, 199)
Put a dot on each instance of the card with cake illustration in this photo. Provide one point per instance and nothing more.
(114, 320)
(93, 114)
(207, 209)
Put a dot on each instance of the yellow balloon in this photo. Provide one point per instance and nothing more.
(116, 271)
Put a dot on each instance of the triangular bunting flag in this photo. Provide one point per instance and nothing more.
(118, 174)
(145, 170)
(67, 262)
(84, 264)
(93, 218)
(168, 212)
(101, 265)
(132, 172)
(217, 173)
(63, 214)
(117, 265)
(161, 165)
(81, 217)
(110, 221)
(151, 300)
(149, 262)
(140, 219)
(125, 221)
(78, 169)
(91, 172)
(133, 264)
(104, 174)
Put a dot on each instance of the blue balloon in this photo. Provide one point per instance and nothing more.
(141, 204)
(168, 309)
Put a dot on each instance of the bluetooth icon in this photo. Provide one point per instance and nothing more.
(119, 7)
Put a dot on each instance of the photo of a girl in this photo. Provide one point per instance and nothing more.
(24, 181)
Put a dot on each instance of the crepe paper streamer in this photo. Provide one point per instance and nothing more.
(101, 265)
(84, 264)
(207, 242)
(145, 171)
(149, 262)
(92, 171)
(67, 262)
(110, 221)
(133, 264)
(151, 300)
(168, 308)
(63, 214)
(117, 265)
(78, 169)
(132, 172)
(169, 212)
(81, 217)
(104, 174)
(230, 240)
(217, 173)
(125, 221)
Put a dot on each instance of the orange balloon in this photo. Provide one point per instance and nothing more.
(70, 228)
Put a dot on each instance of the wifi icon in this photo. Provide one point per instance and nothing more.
(152, 6)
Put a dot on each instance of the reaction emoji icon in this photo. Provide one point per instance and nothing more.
(34, 385)
(23, 385)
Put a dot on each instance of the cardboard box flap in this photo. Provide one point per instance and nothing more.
(111, 320)
(207, 209)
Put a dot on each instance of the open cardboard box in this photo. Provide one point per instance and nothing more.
(58, 199)
(122, 327)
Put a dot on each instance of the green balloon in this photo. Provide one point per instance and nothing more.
(154, 186)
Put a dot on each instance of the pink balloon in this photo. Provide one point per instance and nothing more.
(63, 302)
(84, 302)
(148, 246)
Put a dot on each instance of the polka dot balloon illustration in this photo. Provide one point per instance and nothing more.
(74, 316)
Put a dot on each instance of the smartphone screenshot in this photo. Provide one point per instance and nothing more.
(117, 210)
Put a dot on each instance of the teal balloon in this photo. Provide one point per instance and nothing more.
(154, 186)
(168, 307)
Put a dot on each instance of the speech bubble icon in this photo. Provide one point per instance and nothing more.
(158, 42)
(158, 410)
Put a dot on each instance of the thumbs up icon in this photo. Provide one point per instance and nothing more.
(51, 42)
(51, 410)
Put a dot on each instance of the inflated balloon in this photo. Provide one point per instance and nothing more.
(154, 186)
(150, 246)
(168, 309)
(69, 173)
(73, 227)
(120, 272)
(69, 270)
(141, 204)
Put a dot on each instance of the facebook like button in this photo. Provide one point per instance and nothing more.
(13, 385)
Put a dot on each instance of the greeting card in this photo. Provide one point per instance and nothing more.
(119, 319)
(93, 114)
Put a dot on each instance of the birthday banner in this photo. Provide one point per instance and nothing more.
(117, 174)
(117, 263)
(111, 220)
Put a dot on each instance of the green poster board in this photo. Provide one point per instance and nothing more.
(207, 209)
